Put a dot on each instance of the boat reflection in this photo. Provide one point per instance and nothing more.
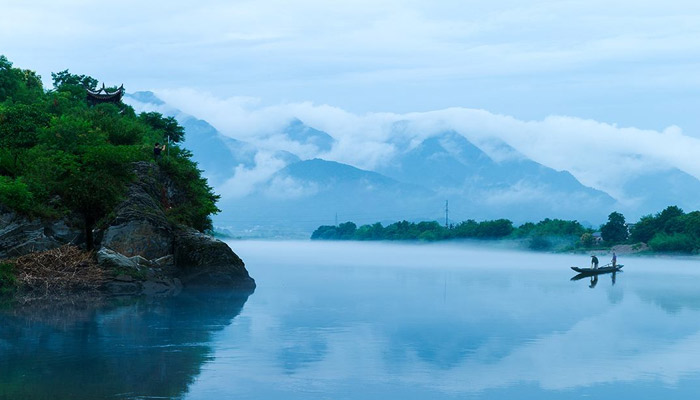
(594, 277)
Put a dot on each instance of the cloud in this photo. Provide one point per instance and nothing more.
(598, 154)
(246, 180)
(525, 59)
(286, 187)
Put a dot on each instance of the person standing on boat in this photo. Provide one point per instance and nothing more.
(594, 262)
(614, 260)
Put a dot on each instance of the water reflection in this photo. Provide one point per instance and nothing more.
(93, 348)
(360, 321)
(593, 277)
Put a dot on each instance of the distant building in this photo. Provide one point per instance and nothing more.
(104, 96)
(598, 237)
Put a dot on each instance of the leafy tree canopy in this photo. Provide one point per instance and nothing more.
(60, 155)
(615, 230)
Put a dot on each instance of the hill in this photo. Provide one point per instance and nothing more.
(78, 166)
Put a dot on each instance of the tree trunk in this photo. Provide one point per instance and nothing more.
(89, 239)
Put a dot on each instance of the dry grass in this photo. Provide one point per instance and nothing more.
(57, 271)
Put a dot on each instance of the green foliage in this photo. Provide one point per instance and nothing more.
(19, 126)
(16, 84)
(615, 230)
(483, 230)
(199, 203)
(673, 243)
(109, 118)
(64, 78)
(344, 231)
(369, 232)
(670, 230)
(58, 154)
(8, 278)
(15, 194)
(424, 231)
(644, 230)
(587, 240)
(551, 227)
(168, 127)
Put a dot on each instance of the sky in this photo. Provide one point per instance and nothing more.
(630, 63)
(574, 85)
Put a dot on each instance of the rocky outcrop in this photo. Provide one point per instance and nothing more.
(140, 230)
(111, 260)
(140, 226)
(201, 259)
(20, 235)
(143, 251)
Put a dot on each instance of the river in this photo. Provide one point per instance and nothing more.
(343, 320)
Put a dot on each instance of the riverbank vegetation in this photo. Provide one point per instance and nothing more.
(669, 231)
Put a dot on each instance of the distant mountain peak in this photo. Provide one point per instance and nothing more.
(146, 97)
(299, 132)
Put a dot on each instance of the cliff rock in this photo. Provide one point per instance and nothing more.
(201, 259)
(20, 235)
(142, 249)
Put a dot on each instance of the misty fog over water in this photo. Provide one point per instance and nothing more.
(349, 320)
(381, 320)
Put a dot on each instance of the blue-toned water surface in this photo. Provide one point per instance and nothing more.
(341, 320)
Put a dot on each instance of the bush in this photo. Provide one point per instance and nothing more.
(15, 194)
(587, 240)
(325, 232)
(199, 203)
(676, 242)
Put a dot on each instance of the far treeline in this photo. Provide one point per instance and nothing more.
(61, 156)
(671, 230)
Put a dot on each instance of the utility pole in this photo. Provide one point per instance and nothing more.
(447, 213)
(336, 219)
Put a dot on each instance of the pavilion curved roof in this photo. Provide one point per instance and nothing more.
(104, 95)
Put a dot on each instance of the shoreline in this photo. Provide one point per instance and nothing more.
(504, 244)
(68, 271)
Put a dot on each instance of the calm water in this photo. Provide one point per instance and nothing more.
(374, 321)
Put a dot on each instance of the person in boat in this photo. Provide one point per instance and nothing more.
(614, 260)
(594, 262)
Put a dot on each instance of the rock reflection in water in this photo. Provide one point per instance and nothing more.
(91, 347)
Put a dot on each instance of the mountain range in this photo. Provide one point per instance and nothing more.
(278, 190)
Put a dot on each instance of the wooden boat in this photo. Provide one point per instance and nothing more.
(596, 271)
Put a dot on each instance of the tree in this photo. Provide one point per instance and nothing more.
(167, 126)
(370, 232)
(19, 85)
(644, 229)
(495, 229)
(65, 78)
(97, 185)
(19, 124)
(325, 232)
(587, 240)
(8, 79)
(615, 230)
